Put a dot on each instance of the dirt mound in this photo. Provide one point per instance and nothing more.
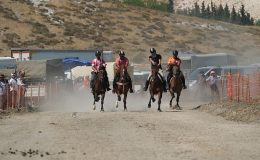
(233, 111)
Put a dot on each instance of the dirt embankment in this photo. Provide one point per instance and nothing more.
(234, 111)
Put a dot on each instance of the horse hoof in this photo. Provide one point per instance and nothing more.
(149, 106)
(159, 110)
(102, 110)
(125, 110)
(94, 107)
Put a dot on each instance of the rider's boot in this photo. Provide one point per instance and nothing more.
(146, 85)
(131, 87)
(164, 86)
(183, 82)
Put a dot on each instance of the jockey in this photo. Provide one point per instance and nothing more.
(175, 60)
(97, 64)
(121, 63)
(155, 60)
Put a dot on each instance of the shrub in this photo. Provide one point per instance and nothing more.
(257, 23)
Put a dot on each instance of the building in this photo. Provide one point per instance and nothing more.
(21, 54)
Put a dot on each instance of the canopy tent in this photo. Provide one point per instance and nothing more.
(70, 63)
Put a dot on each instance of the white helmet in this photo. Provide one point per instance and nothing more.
(212, 72)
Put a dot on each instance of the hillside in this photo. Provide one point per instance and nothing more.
(80, 24)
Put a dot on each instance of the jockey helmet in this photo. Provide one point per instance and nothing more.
(152, 51)
(121, 53)
(212, 72)
(98, 53)
(175, 53)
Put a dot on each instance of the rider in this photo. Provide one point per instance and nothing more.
(175, 60)
(155, 60)
(97, 64)
(121, 63)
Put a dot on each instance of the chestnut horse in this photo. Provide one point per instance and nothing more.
(99, 89)
(175, 86)
(122, 88)
(156, 88)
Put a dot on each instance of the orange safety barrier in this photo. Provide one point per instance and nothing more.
(243, 88)
(20, 97)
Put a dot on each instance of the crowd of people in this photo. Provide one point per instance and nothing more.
(12, 90)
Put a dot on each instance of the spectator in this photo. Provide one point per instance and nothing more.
(2, 92)
(13, 89)
(212, 81)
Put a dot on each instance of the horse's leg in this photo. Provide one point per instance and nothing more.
(172, 94)
(117, 100)
(125, 96)
(159, 101)
(102, 102)
(149, 104)
(94, 103)
(177, 100)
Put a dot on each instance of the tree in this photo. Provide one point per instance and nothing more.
(220, 13)
(213, 10)
(203, 10)
(233, 18)
(196, 9)
(208, 13)
(170, 6)
(226, 13)
(243, 19)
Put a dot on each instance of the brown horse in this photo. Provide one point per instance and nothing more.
(99, 89)
(122, 88)
(175, 86)
(156, 88)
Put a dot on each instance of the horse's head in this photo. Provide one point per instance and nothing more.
(122, 75)
(175, 70)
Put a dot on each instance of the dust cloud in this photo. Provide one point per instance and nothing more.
(82, 101)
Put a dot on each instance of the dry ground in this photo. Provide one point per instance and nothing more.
(137, 134)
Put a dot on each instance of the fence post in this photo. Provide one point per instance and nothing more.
(39, 92)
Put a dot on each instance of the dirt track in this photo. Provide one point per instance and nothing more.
(127, 135)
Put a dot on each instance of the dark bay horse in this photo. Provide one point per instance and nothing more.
(156, 88)
(122, 88)
(175, 86)
(99, 89)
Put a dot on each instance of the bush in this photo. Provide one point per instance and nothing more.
(257, 23)
(151, 4)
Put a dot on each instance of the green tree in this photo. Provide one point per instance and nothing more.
(233, 18)
(170, 6)
(196, 9)
(243, 19)
(203, 10)
(220, 13)
(226, 13)
(213, 10)
(208, 12)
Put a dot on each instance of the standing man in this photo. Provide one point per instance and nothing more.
(97, 64)
(212, 81)
(155, 60)
(2, 92)
(122, 63)
(13, 89)
(175, 61)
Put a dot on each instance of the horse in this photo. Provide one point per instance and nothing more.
(122, 88)
(175, 86)
(155, 88)
(99, 89)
